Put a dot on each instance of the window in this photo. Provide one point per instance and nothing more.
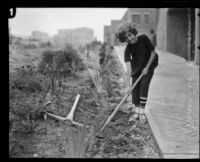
(146, 19)
(136, 19)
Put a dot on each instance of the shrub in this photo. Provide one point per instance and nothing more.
(30, 46)
(26, 79)
(56, 64)
(72, 56)
(45, 44)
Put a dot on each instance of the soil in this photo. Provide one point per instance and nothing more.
(120, 138)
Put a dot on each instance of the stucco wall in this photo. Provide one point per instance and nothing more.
(161, 32)
(177, 32)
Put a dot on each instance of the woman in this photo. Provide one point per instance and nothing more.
(140, 57)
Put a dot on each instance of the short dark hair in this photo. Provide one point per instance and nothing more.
(123, 29)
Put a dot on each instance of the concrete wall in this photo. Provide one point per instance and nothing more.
(197, 34)
(156, 16)
(177, 32)
(172, 32)
(144, 27)
(161, 31)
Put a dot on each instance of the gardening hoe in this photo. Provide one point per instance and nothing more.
(70, 115)
(118, 106)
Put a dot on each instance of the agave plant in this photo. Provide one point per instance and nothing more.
(96, 78)
(78, 143)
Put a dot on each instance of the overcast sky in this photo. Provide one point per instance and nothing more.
(51, 19)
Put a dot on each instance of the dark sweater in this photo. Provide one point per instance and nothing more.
(139, 53)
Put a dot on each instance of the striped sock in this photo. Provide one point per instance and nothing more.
(143, 101)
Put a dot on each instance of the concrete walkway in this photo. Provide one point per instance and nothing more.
(173, 106)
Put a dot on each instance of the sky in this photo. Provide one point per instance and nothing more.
(49, 20)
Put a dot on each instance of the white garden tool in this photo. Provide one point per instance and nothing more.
(70, 115)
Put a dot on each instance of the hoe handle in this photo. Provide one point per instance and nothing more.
(122, 101)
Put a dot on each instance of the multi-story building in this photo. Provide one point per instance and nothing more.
(41, 36)
(177, 29)
(75, 37)
(82, 36)
(114, 26)
(144, 18)
(64, 36)
(107, 33)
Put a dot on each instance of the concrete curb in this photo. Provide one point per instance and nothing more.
(162, 143)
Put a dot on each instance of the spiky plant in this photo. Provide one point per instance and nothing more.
(96, 79)
(78, 142)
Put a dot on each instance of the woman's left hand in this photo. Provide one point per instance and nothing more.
(145, 71)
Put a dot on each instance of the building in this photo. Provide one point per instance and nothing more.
(64, 36)
(144, 18)
(41, 36)
(107, 33)
(114, 26)
(75, 37)
(177, 29)
(178, 32)
(82, 36)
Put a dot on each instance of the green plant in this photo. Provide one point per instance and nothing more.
(110, 73)
(56, 64)
(28, 126)
(72, 56)
(45, 44)
(13, 148)
(25, 111)
(96, 79)
(78, 143)
(26, 79)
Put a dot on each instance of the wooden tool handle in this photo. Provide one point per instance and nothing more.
(122, 101)
(71, 113)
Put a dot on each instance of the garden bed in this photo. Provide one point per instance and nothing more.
(121, 139)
